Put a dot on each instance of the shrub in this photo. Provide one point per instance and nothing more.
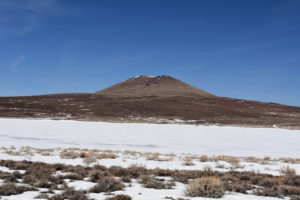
(292, 180)
(152, 182)
(22, 165)
(267, 192)
(59, 166)
(96, 175)
(172, 198)
(119, 197)
(295, 198)
(37, 171)
(70, 194)
(107, 156)
(188, 161)
(126, 179)
(90, 158)
(107, 184)
(264, 182)
(204, 158)
(287, 171)
(43, 183)
(162, 172)
(184, 176)
(238, 187)
(80, 171)
(8, 189)
(118, 171)
(289, 190)
(220, 166)
(230, 159)
(154, 156)
(207, 170)
(135, 171)
(245, 177)
(42, 196)
(13, 177)
(65, 154)
(205, 187)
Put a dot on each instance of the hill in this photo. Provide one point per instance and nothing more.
(160, 86)
(160, 99)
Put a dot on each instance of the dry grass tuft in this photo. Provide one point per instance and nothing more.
(287, 171)
(188, 161)
(97, 175)
(159, 157)
(204, 158)
(107, 184)
(211, 187)
(119, 197)
(70, 194)
(152, 182)
(8, 189)
(290, 160)
(207, 170)
(66, 154)
(289, 190)
(293, 180)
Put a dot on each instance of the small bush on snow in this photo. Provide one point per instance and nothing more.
(287, 171)
(8, 189)
(70, 194)
(107, 184)
(119, 197)
(152, 182)
(292, 180)
(205, 187)
(289, 190)
(96, 175)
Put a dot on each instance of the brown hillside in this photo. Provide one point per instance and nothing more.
(160, 86)
(160, 99)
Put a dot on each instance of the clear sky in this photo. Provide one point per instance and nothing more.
(246, 49)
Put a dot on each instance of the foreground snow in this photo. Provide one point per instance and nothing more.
(183, 140)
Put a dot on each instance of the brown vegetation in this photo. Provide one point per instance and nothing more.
(119, 197)
(287, 171)
(153, 182)
(70, 194)
(107, 184)
(8, 189)
(205, 187)
(38, 175)
(166, 99)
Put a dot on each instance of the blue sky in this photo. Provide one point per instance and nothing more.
(246, 49)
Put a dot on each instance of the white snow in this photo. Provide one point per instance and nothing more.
(24, 196)
(81, 185)
(5, 169)
(144, 76)
(164, 138)
(172, 138)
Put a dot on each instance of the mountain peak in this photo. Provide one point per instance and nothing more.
(161, 86)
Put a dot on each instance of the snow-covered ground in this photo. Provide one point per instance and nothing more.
(149, 160)
(183, 141)
(163, 138)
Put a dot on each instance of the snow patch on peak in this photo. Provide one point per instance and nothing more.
(145, 76)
